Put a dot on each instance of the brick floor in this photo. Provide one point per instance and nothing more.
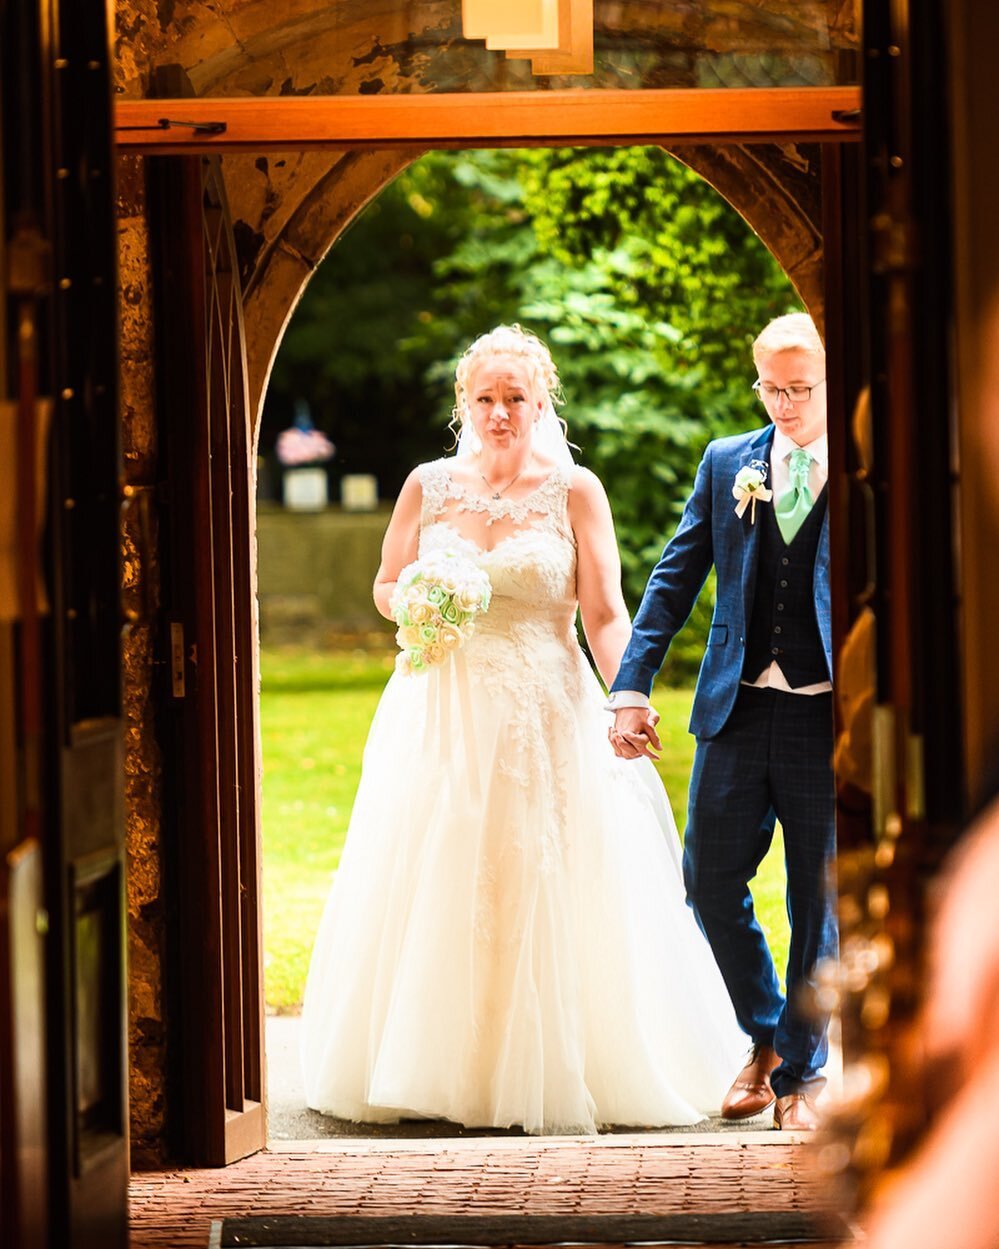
(551, 1176)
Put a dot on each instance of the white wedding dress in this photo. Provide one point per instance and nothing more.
(506, 940)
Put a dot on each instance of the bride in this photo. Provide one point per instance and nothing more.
(506, 941)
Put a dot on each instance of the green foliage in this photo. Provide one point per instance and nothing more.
(315, 711)
(692, 262)
(664, 289)
(647, 285)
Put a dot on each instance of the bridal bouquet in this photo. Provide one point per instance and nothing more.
(435, 602)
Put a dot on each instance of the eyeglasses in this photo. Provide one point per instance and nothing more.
(767, 391)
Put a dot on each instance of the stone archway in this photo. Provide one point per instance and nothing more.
(277, 266)
(289, 209)
(287, 213)
(776, 189)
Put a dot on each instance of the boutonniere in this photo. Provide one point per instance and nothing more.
(749, 486)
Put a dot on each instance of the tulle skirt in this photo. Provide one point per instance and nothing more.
(506, 941)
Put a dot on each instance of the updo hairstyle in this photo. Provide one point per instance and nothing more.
(506, 340)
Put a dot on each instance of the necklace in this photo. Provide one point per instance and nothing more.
(498, 493)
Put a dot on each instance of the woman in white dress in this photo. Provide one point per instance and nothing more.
(506, 941)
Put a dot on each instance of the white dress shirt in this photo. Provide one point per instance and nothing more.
(780, 482)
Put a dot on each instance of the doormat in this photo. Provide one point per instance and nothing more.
(310, 1232)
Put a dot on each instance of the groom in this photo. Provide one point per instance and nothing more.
(762, 712)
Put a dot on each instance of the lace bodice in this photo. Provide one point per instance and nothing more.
(532, 569)
(525, 646)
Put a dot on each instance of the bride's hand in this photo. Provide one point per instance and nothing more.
(633, 734)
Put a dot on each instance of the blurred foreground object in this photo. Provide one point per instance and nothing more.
(959, 1157)
(359, 492)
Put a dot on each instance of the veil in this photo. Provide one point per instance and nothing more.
(549, 440)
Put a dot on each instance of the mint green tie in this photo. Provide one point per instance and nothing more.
(794, 505)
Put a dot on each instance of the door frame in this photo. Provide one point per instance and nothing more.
(268, 124)
(475, 119)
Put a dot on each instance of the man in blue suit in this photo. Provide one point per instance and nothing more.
(762, 711)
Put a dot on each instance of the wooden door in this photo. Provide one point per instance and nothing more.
(889, 280)
(209, 606)
(971, 39)
(60, 751)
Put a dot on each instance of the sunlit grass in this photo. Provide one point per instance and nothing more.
(315, 711)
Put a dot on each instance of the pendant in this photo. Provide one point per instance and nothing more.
(496, 495)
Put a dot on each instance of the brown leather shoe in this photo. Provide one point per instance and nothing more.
(751, 1093)
(796, 1113)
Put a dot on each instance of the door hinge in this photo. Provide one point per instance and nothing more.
(178, 683)
(915, 778)
(883, 768)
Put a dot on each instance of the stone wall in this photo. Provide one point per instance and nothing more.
(314, 574)
(147, 1025)
(370, 47)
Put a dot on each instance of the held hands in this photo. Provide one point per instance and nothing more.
(633, 734)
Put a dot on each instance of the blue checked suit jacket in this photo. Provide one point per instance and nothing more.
(710, 533)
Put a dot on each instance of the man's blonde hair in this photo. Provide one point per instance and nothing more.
(794, 332)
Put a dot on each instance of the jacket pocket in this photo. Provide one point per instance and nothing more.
(718, 635)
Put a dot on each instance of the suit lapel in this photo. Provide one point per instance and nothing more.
(822, 552)
(758, 448)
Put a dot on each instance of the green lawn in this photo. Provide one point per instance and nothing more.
(315, 712)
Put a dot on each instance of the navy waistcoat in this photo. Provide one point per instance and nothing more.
(783, 625)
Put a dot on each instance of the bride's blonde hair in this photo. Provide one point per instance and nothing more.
(506, 340)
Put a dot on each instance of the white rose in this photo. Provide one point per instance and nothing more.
(450, 636)
(747, 478)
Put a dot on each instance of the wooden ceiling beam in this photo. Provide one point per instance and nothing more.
(489, 119)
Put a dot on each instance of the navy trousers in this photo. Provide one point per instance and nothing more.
(774, 755)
